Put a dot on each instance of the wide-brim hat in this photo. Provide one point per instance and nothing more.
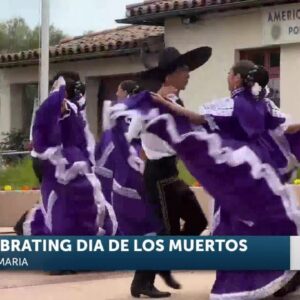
(170, 58)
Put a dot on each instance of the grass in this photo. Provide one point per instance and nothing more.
(19, 175)
(22, 174)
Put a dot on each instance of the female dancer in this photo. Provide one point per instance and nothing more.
(235, 136)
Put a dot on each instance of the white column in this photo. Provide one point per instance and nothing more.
(44, 67)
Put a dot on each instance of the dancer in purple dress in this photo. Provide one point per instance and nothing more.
(119, 168)
(235, 136)
(105, 163)
(72, 201)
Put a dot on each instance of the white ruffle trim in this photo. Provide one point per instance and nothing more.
(125, 191)
(106, 122)
(260, 293)
(235, 158)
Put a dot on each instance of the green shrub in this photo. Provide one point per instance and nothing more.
(16, 140)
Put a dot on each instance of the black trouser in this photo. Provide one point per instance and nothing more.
(173, 198)
(174, 201)
(37, 168)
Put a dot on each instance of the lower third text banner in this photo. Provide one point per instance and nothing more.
(149, 253)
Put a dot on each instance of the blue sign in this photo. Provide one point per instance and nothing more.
(144, 253)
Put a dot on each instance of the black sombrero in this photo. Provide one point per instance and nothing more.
(170, 58)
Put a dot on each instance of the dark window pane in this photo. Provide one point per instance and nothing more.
(30, 93)
(275, 59)
(257, 58)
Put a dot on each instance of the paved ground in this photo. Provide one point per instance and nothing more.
(100, 286)
(6, 231)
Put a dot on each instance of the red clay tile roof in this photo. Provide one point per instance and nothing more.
(152, 11)
(111, 42)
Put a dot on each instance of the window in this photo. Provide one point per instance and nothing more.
(270, 59)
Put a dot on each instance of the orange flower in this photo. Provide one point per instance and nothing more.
(25, 188)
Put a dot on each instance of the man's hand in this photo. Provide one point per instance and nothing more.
(294, 128)
(165, 91)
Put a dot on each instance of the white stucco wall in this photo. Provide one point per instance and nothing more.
(226, 34)
(5, 105)
(290, 80)
(86, 68)
(89, 70)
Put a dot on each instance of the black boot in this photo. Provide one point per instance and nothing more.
(170, 280)
(143, 285)
(290, 287)
(149, 290)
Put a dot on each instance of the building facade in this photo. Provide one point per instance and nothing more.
(267, 32)
(102, 59)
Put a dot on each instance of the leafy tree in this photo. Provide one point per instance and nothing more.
(16, 35)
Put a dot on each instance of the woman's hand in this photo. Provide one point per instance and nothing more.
(64, 107)
(179, 110)
(159, 99)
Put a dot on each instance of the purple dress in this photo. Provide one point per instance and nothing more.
(72, 202)
(105, 163)
(252, 199)
(119, 169)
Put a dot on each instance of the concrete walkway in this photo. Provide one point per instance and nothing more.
(99, 286)
(90, 286)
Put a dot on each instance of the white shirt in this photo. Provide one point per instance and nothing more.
(154, 147)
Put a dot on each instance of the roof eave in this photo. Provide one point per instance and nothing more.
(73, 57)
(158, 18)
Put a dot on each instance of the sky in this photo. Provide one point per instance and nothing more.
(74, 17)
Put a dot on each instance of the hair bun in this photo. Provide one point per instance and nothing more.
(257, 75)
(136, 89)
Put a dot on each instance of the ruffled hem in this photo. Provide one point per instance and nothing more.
(260, 293)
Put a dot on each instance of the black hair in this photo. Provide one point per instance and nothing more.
(131, 87)
(67, 75)
(150, 84)
(251, 73)
(74, 86)
(169, 70)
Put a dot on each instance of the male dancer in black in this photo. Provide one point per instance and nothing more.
(164, 188)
